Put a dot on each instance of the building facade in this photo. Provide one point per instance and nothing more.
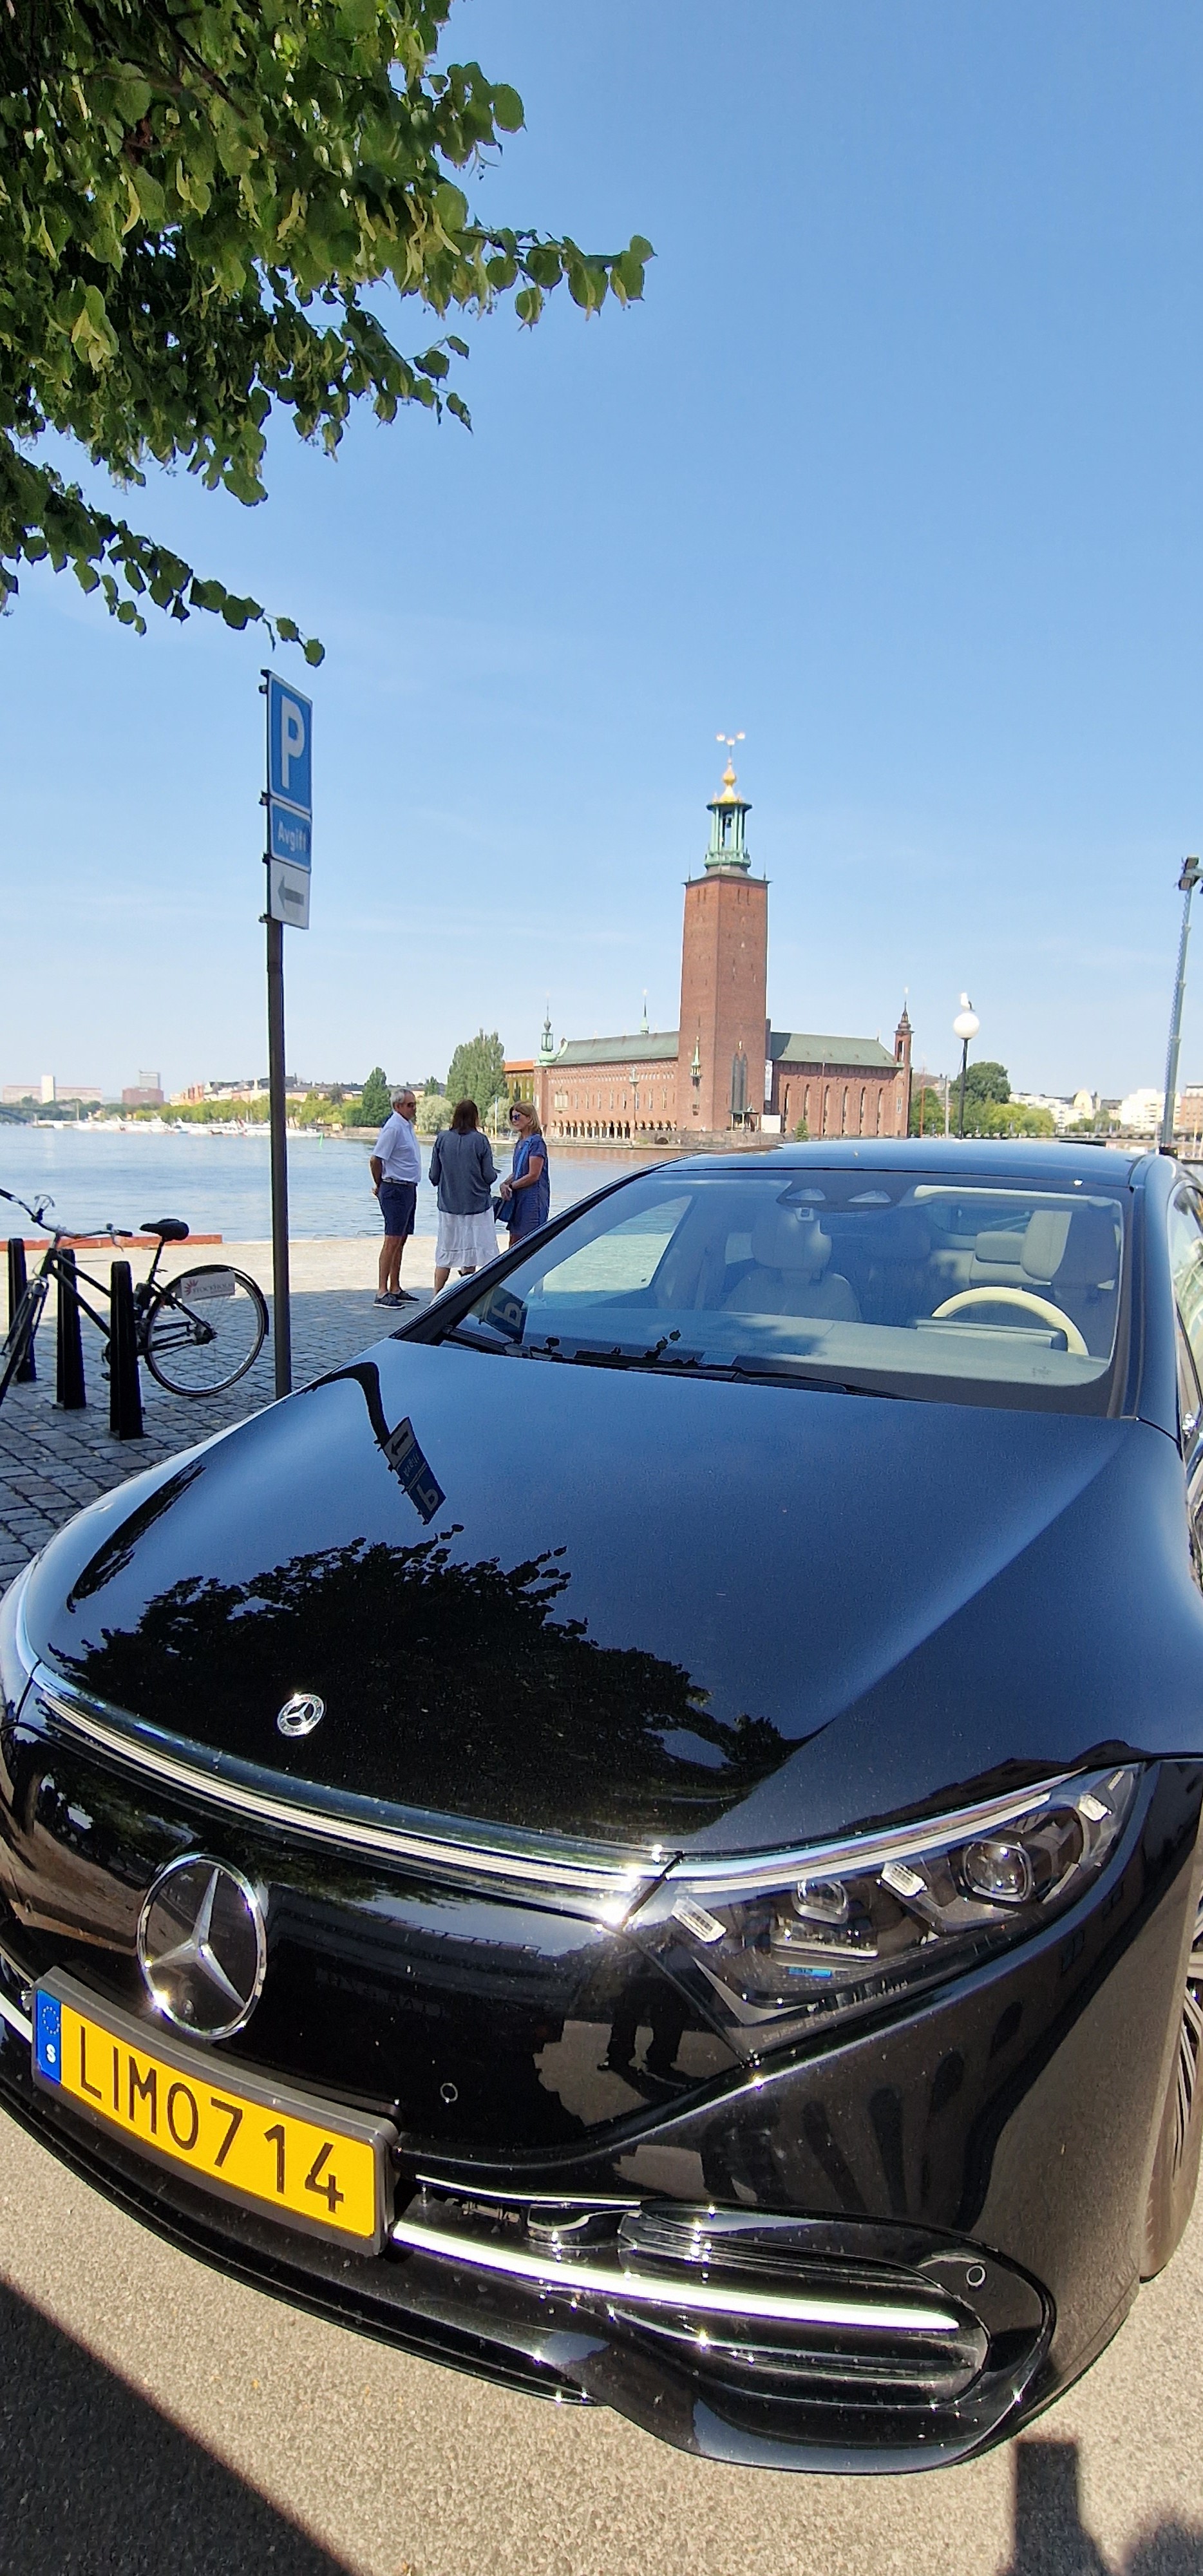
(723, 1068)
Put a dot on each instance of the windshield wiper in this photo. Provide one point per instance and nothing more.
(605, 1354)
(664, 1355)
(796, 1373)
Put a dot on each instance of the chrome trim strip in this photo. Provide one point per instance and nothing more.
(615, 2204)
(25, 1653)
(615, 1888)
(752, 1873)
(612, 1890)
(17, 2021)
(867, 2316)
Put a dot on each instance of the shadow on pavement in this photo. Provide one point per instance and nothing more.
(1051, 2538)
(95, 2479)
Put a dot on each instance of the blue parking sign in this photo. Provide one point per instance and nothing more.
(291, 835)
(289, 745)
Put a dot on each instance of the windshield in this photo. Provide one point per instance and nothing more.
(975, 1291)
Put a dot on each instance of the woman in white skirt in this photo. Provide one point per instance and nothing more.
(463, 1171)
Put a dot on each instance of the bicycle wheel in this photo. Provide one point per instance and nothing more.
(203, 1330)
(20, 1334)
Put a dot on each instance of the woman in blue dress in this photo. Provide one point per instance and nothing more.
(526, 1196)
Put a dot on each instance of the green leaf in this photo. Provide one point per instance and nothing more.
(132, 97)
(508, 110)
(152, 199)
(314, 652)
(450, 207)
(585, 286)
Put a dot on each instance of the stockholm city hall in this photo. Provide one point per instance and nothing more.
(723, 1068)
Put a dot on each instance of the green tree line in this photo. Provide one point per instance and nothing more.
(989, 1108)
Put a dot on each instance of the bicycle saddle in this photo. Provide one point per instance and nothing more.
(170, 1229)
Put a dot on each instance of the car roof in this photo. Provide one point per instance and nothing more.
(1006, 1158)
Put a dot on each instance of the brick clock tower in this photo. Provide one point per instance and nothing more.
(723, 1038)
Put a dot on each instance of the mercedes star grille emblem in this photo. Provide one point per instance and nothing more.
(301, 1713)
(202, 1947)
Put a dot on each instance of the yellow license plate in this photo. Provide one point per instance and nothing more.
(250, 2141)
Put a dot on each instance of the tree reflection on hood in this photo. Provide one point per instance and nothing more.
(449, 1686)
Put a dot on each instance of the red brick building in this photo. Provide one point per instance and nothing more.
(723, 1067)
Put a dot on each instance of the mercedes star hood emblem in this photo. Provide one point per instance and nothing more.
(301, 1713)
(202, 1947)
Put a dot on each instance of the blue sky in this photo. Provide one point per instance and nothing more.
(896, 468)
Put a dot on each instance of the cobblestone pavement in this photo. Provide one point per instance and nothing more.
(51, 1463)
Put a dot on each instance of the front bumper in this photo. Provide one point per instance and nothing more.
(771, 2340)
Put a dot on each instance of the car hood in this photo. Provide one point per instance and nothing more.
(628, 1608)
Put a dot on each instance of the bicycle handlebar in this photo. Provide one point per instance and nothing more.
(37, 1216)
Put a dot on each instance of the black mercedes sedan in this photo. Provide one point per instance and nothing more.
(642, 1839)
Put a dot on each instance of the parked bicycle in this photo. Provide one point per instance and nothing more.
(198, 1334)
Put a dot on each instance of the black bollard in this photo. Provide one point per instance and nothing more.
(125, 1390)
(16, 1289)
(70, 1391)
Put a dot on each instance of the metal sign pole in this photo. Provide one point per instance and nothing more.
(1186, 887)
(277, 1109)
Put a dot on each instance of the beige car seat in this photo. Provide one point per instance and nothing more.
(791, 1277)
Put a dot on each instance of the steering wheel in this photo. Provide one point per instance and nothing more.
(1042, 1306)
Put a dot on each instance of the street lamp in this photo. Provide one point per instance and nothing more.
(1186, 886)
(965, 1026)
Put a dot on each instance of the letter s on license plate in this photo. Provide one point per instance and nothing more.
(259, 2144)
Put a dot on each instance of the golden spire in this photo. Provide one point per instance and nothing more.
(726, 795)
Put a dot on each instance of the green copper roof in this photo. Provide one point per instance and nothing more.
(654, 1046)
(787, 1048)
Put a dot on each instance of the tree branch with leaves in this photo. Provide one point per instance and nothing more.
(196, 204)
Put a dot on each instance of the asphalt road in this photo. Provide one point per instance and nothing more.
(156, 2416)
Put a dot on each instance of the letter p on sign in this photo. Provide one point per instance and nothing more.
(289, 745)
(293, 735)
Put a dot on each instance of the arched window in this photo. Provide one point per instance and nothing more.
(844, 1112)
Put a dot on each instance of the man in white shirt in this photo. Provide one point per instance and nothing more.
(396, 1168)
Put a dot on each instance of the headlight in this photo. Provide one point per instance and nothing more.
(16, 1660)
(809, 1935)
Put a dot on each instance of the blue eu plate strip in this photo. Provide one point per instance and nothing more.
(48, 2037)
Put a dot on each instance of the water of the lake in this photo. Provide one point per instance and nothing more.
(221, 1185)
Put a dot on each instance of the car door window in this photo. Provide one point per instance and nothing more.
(1189, 1403)
(622, 1260)
(1186, 1265)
